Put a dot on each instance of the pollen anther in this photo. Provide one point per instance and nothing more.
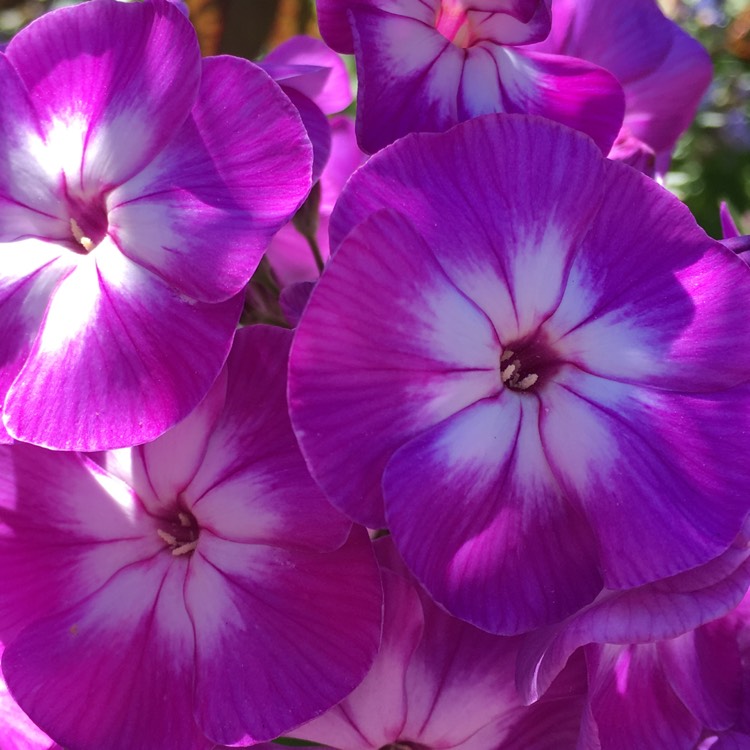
(184, 549)
(168, 538)
(85, 242)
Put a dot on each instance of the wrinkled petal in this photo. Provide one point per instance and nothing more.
(704, 668)
(657, 611)
(411, 78)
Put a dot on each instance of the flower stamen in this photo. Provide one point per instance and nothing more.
(85, 242)
(183, 539)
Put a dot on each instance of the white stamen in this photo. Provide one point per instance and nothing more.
(527, 382)
(168, 538)
(184, 519)
(85, 242)
(507, 354)
(184, 549)
(507, 373)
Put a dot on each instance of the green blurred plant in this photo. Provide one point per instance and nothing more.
(712, 161)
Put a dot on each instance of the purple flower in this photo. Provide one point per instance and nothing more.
(425, 65)
(439, 682)
(139, 187)
(667, 662)
(188, 592)
(517, 360)
(663, 71)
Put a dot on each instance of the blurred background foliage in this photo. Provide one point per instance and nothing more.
(712, 161)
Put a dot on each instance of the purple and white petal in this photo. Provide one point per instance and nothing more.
(82, 388)
(433, 336)
(102, 109)
(65, 528)
(255, 607)
(264, 495)
(65, 674)
(30, 191)
(505, 525)
(202, 213)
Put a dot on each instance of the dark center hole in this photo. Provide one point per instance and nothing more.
(88, 221)
(180, 532)
(527, 363)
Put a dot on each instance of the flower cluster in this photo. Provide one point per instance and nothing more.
(411, 432)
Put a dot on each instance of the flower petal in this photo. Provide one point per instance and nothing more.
(660, 610)
(632, 703)
(202, 213)
(66, 526)
(119, 359)
(573, 92)
(402, 349)
(376, 712)
(31, 269)
(668, 511)
(269, 621)
(513, 554)
(111, 83)
(321, 74)
(65, 673)
(252, 485)
(30, 195)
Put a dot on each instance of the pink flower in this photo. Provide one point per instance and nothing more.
(194, 591)
(517, 361)
(139, 187)
(438, 682)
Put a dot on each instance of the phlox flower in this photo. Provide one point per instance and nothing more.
(425, 65)
(191, 591)
(526, 361)
(438, 682)
(664, 72)
(139, 187)
(667, 662)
